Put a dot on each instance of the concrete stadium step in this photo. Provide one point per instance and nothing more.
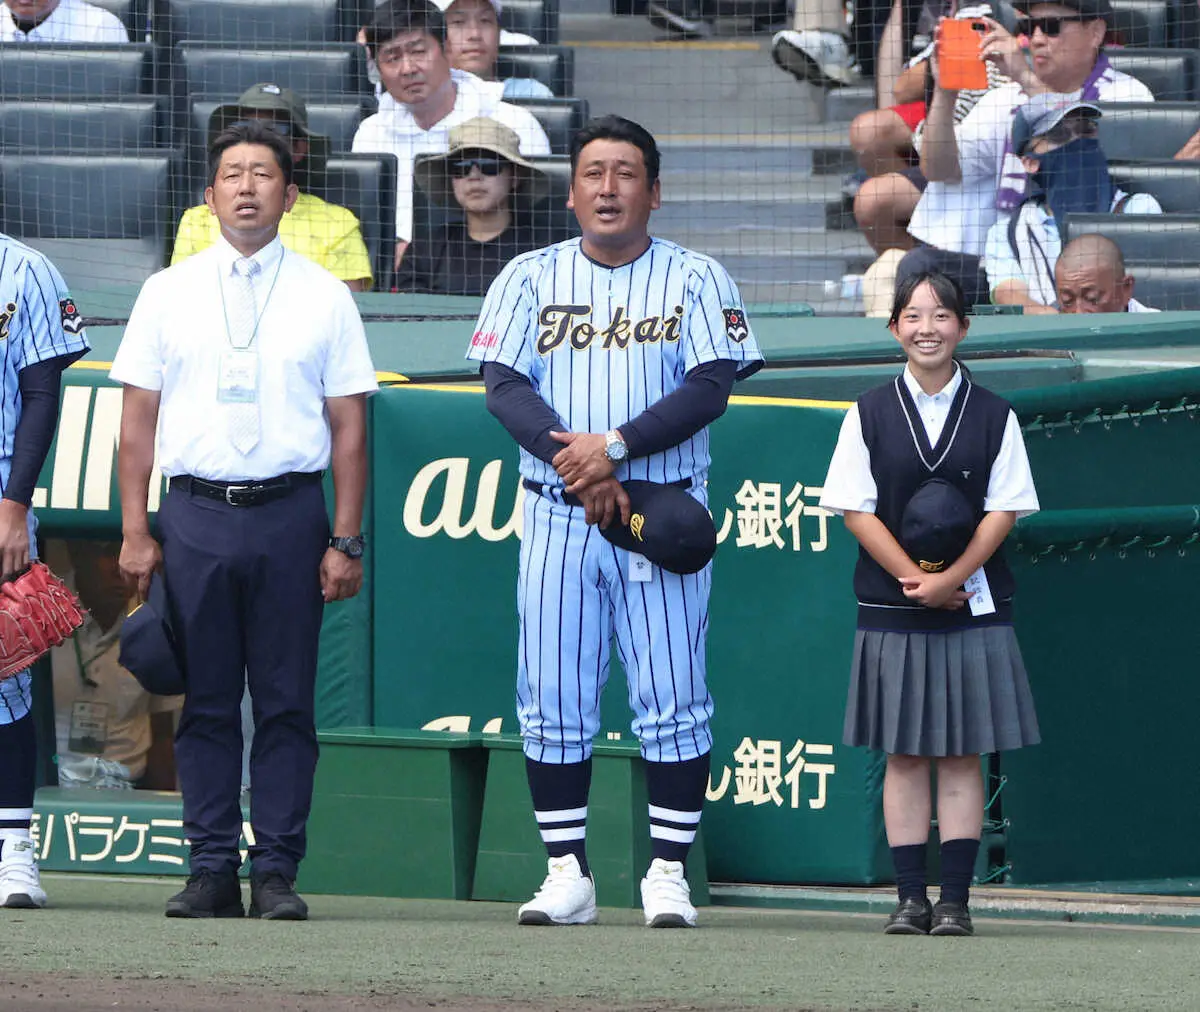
(843, 104)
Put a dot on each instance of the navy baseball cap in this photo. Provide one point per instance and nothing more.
(148, 644)
(1041, 114)
(667, 526)
(937, 525)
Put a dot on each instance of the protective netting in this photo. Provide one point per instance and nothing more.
(807, 146)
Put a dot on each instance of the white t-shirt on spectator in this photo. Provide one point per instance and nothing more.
(1133, 306)
(957, 216)
(393, 130)
(71, 21)
(1002, 264)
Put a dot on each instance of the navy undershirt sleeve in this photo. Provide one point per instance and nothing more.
(41, 391)
(522, 412)
(697, 402)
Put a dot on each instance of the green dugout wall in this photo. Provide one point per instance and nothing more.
(1104, 617)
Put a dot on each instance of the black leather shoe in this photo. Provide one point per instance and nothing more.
(951, 918)
(911, 917)
(273, 898)
(208, 894)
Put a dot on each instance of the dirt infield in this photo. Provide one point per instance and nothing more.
(104, 944)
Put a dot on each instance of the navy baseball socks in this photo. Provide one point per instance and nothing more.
(20, 884)
(675, 792)
(914, 915)
(560, 796)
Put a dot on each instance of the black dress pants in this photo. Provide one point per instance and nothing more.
(244, 588)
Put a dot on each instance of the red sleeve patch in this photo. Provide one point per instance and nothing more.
(482, 339)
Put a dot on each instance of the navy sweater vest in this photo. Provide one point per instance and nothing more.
(901, 459)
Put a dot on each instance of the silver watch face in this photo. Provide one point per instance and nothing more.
(616, 450)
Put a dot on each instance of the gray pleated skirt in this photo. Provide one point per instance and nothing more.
(939, 694)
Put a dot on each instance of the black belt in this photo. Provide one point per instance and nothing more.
(553, 491)
(245, 493)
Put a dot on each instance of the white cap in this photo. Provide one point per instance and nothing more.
(444, 5)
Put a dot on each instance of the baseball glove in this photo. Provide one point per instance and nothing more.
(37, 612)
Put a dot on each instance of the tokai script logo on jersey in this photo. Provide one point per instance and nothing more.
(565, 323)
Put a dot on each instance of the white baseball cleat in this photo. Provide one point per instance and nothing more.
(666, 898)
(20, 884)
(566, 896)
(822, 58)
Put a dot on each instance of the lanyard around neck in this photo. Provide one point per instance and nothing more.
(261, 313)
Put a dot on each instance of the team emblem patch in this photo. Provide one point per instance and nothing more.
(6, 318)
(72, 322)
(735, 325)
(637, 523)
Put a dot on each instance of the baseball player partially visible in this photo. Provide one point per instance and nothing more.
(41, 333)
(606, 358)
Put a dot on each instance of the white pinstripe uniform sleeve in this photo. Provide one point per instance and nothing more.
(507, 321)
(710, 334)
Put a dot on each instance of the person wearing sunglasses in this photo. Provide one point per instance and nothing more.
(974, 175)
(1058, 144)
(481, 175)
(325, 233)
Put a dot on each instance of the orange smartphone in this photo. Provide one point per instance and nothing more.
(960, 67)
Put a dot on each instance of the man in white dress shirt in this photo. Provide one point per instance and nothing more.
(424, 98)
(59, 21)
(253, 364)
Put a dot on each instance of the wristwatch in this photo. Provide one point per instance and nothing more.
(352, 547)
(614, 447)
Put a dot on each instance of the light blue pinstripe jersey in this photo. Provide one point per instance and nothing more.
(38, 321)
(601, 344)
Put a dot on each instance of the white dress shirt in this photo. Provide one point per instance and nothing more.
(311, 346)
(393, 130)
(849, 485)
(71, 21)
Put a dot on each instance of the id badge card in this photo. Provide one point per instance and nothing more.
(977, 586)
(89, 727)
(640, 569)
(237, 377)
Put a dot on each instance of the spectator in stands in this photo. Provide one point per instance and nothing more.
(325, 233)
(1057, 143)
(426, 98)
(817, 48)
(1090, 278)
(973, 174)
(886, 139)
(473, 40)
(480, 174)
(1190, 152)
(58, 21)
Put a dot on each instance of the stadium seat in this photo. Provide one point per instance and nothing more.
(1165, 286)
(1154, 238)
(1170, 74)
(1132, 131)
(538, 18)
(134, 15)
(366, 184)
(83, 126)
(1175, 185)
(85, 70)
(336, 69)
(1142, 22)
(554, 66)
(559, 117)
(1184, 24)
(103, 219)
(250, 22)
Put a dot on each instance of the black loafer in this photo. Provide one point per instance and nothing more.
(911, 917)
(951, 918)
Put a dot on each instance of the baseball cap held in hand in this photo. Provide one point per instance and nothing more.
(937, 525)
(667, 526)
(148, 645)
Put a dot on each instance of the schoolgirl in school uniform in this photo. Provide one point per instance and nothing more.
(937, 676)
